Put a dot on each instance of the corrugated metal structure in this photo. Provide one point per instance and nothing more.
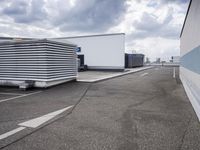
(45, 62)
(134, 60)
(190, 55)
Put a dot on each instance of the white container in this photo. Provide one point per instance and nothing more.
(104, 51)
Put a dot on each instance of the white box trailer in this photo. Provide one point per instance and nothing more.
(104, 52)
(42, 63)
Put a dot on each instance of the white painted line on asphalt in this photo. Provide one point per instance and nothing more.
(7, 134)
(20, 96)
(144, 74)
(6, 93)
(36, 122)
(174, 72)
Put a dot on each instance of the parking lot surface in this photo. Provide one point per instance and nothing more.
(148, 110)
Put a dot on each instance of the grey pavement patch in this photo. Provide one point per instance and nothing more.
(144, 74)
(7, 93)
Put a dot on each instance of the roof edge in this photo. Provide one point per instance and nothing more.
(13, 38)
(27, 41)
(90, 35)
(186, 18)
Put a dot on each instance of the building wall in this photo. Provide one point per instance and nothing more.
(190, 55)
(101, 51)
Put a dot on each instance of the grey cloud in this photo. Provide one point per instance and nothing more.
(174, 1)
(158, 3)
(149, 26)
(3, 1)
(149, 22)
(16, 8)
(25, 11)
(85, 16)
(97, 16)
(37, 10)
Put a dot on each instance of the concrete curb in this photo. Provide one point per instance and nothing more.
(116, 75)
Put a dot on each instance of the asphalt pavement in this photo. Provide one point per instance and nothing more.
(148, 110)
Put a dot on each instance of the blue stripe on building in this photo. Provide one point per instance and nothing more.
(191, 60)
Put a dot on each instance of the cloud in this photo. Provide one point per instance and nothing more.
(95, 15)
(145, 22)
(150, 26)
(174, 1)
(16, 8)
(70, 15)
(25, 11)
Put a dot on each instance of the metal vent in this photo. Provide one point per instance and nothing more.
(37, 60)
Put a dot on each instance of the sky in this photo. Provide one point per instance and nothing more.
(152, 27)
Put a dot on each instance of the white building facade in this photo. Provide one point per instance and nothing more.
(104, 51)
(190, 55)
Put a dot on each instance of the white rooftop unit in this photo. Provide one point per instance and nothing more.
(42, 62)
(104, 51)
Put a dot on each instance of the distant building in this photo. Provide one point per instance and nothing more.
(190, 54)
(158, 60)
(147, 60)
(175, 59)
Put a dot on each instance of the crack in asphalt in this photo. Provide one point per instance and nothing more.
(50, 122)
(184, 133)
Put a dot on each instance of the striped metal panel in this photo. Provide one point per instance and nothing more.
(37, 60)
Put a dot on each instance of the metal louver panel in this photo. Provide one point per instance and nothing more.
(37, 60)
